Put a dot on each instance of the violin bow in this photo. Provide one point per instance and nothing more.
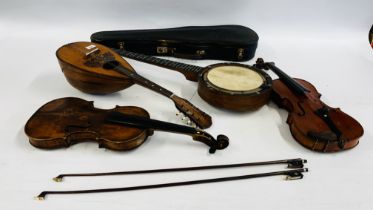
(291, 163)
(295, 173)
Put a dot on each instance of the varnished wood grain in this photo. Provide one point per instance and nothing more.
(67, 121)
(303, 119)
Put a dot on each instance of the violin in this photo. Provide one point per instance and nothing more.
(96, 69)
(67, 121)
(232, 86)
(312, 123)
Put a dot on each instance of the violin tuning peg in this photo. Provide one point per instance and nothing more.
(178, 113)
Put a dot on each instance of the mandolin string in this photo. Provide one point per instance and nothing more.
(160, 61)
(194, 93)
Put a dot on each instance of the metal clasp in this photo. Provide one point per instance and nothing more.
(162, 50)
(121, 45)
(200, 52)
(240, 52)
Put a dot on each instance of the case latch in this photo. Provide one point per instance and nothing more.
(240, 52)
(200, 52)
(162, 50)
(121, 45)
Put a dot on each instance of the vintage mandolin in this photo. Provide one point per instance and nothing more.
(67, 121)
(96, 69)
(312, 123)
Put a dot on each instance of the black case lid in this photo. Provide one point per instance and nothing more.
(223, 34)
(224, 42)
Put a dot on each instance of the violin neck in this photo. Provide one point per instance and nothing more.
(191, 72)
(290, 82)
(146, 123)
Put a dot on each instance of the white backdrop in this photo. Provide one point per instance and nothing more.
(324, 42)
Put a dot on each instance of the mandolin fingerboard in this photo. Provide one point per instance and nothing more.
(160, 62)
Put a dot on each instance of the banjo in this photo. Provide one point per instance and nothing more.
(231, 86)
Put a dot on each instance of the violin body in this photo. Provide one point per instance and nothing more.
(314, 124)
(308, 127)
(67, 121)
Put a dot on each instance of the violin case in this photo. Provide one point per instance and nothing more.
(221, 42)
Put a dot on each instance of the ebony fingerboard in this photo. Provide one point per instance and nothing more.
(290, 82)
(140, 80)
(160, 62)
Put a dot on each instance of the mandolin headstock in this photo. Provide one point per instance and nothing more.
(200, 118)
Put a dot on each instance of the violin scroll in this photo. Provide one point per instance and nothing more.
(221, 141)
(263, 65)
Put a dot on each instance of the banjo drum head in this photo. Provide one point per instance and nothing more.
(235, 78)
(236, 87)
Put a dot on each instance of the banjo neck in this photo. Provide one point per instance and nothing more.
(189, 71)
